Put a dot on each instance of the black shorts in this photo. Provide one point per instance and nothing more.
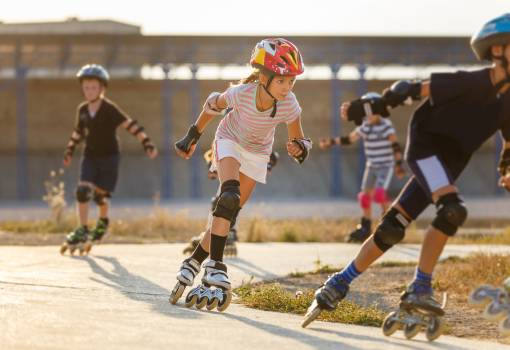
(101, 171)
(434, 161)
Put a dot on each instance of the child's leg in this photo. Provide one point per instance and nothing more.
(83, 196)
(384, 175)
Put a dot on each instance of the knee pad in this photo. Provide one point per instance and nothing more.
(364, 200)
(83, 193)
(380, 195)
(99, 198)
(229, 200)
(214, 201)
(390, 230)
(234, 219)
(451, 214)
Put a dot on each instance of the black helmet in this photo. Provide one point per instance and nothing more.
(94, 71)
(494, 32)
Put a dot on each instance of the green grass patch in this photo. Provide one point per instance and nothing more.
(273, 297)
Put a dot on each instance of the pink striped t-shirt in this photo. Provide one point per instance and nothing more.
(248, 127)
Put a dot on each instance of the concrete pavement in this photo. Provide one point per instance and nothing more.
(118, 299)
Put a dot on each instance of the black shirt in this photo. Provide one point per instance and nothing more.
(465, 108)
(100, 130)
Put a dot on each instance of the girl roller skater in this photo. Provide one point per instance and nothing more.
(383, 156)
(242, 147)
(212, 174)
(459, 113)
(96, 122)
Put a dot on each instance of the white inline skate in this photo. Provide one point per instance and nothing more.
(214, 292)
(496, 301)
(185, 278)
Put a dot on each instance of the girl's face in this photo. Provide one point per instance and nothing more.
(92, 89)
(280, 85)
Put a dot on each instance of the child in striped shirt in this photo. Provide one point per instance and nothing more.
(242, 148)
(383, 155)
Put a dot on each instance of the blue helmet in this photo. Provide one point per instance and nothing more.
(95, 71)
(370, 95)
(494, 32)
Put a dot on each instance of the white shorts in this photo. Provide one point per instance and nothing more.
(252, 165)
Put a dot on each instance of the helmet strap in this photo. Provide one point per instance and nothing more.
(266, 88)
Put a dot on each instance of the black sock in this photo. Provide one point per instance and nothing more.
(199, 254)
(217, 247)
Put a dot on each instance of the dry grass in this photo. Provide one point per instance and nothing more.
(461, 275)
(273, 297)
(163, 226)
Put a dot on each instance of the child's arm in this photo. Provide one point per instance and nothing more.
(132, 126)
(397, 154)
(74, 140)
(504, 166)
(327, 143)
(298, 147)
(213, 106)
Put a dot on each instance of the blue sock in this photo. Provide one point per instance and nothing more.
(349, 273)
(422, 282)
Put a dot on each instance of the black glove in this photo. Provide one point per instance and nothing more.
(148, 145)
(189, 140)
(402, 92)
(361, 108)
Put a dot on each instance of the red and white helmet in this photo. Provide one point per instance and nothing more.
(278, 56)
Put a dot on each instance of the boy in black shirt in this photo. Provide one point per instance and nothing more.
(97, 121)
(460, 112)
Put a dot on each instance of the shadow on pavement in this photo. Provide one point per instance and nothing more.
(138, 288)
(250, 269)
(302, 336)
(410, 344)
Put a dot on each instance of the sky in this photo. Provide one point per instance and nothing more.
(295, 17)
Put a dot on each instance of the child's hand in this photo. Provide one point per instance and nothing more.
(504, 181)
(400, 172)
(152, 153)
(68, 157)
(325, 143)
(185, 155)
(293, 149)
(343, 110)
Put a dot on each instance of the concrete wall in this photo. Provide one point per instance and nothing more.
(51, 113)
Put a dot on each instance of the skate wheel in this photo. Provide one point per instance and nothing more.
(203, 301)
(495, 311)
(411, 330)
(212, 304)
(504, 327)
(63, 249)
(481, 295)
(71, 250)
(434, 329)
(176, 293)
(227, 298)
(391, 324)
(87, 248)
(311, 315)
(191, 300)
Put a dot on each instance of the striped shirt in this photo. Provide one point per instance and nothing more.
(378, 150)
(248, 127)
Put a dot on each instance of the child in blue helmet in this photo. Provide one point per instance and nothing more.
(97, 120)
(459, 112)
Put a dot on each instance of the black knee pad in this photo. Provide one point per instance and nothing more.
(99, 198)
(83, 193)
(234, 219)
(451, 214)
(228, 200)
(390, 230)
(214, 201)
